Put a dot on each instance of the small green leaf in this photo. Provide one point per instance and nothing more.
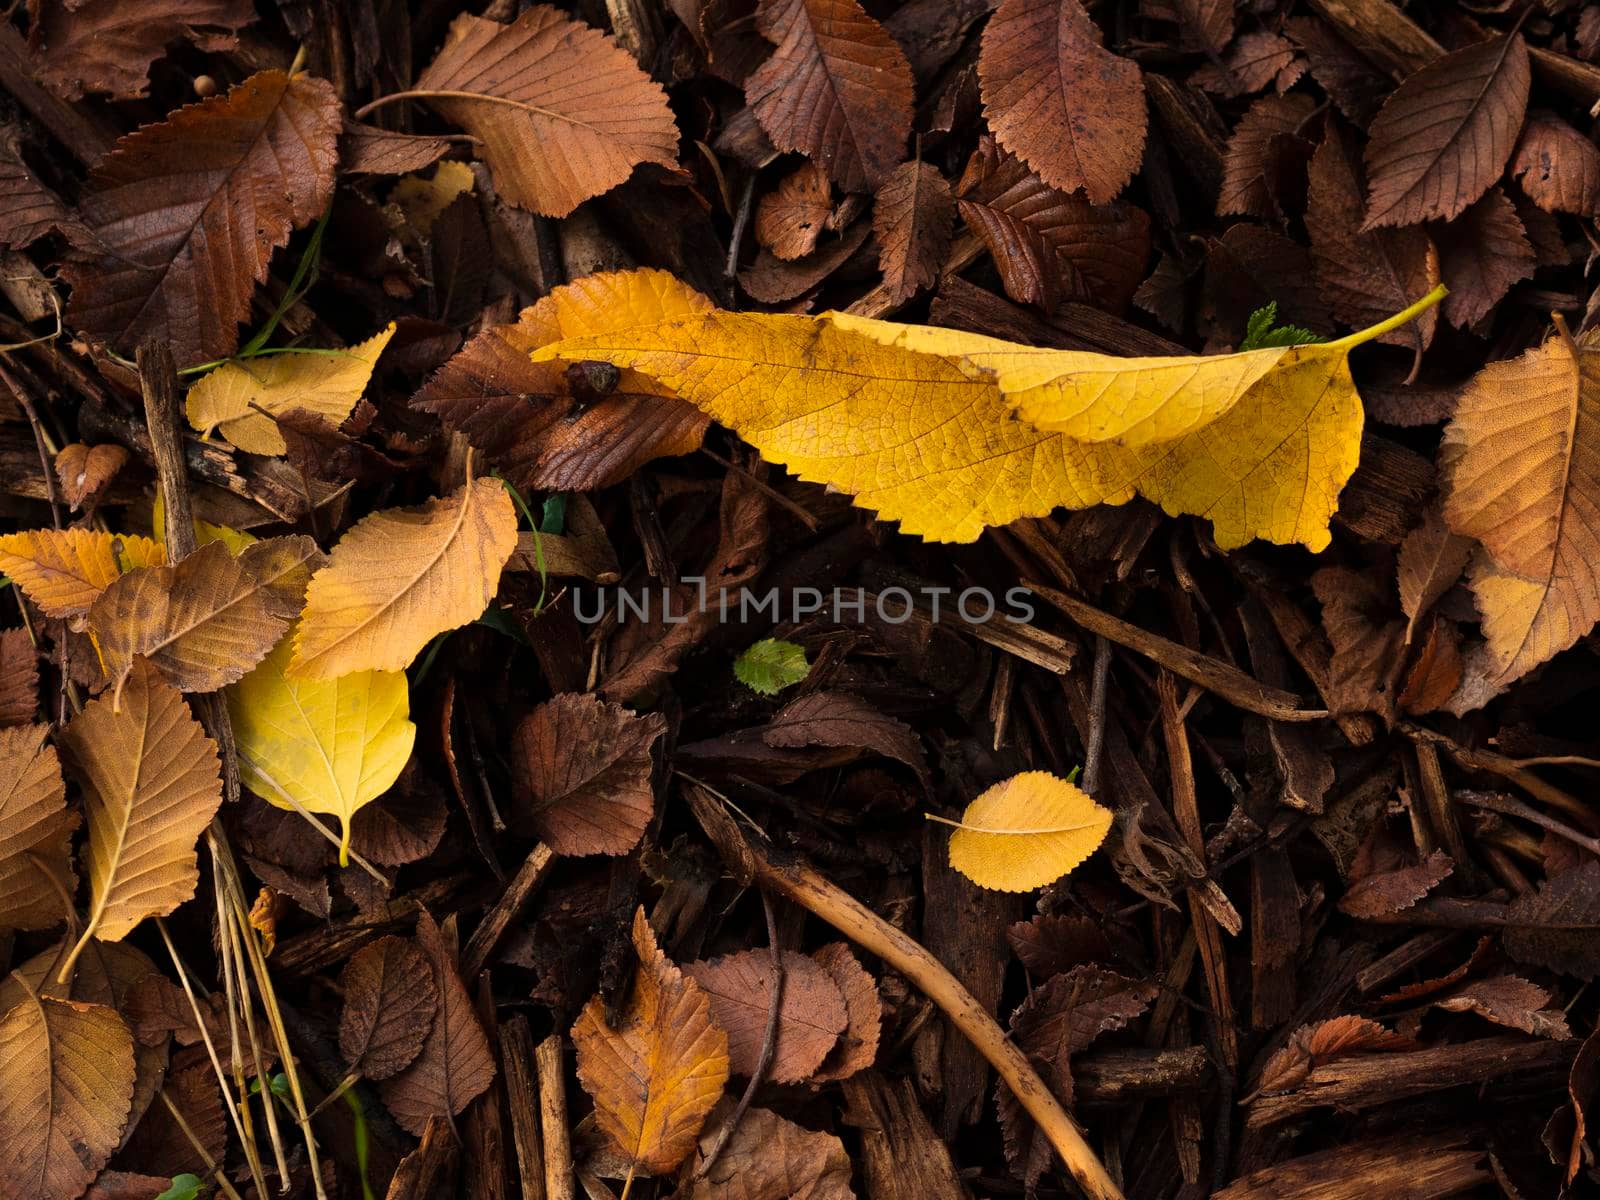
(184, 1187)
(1259, 333)
(769, 666)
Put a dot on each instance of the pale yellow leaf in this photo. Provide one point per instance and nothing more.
(658, 1073)
(1027, 831)
(207, 620)
(421, 198)
(152, 783)
(400, 577)
(35, 830)
(327, 383)
(321, 745)
(66, 1089)
(64, 570)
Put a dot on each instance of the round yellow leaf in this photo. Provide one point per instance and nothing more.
(1027, 831)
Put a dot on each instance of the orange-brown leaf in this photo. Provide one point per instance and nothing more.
(190, 211)
(84, 470)
(912, 217)
(1559, 167)
(768, 1157)
(63, 571)
(108, 45)
(857, 1047)
(35, 831)
(790, 219)
(811, 1013)
(19, 678)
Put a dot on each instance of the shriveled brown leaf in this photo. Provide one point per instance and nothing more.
(1058, 100)
(160, 1144)
(1558, 926)
(1364, 276)
(772, 281)
(1392, 891)
(152, 783)
(563, 112)
(912, 218)
(1508, 1000)
(582, 773)
(811, 1013)
(108, 45)
(1323, 1042)
(771, 1158)
(1446, 133)
(1254, 61)
(1204, 25)
(1365, 632)
(66, 1088)
(1557, 166)
(658, 1073)
(1482, 253)
(1053, 943)
(1430, 562)
(35, 831)
(84, 470)
(368, 150)
(19, 678)
(838, 89)
(1356, 86)
(207, 620)
(390, 1004)
(455, 1063)
(858, 1045)
(1250, 167)
(190, 211)
(790, 219)
(839, 719)
(28, 209)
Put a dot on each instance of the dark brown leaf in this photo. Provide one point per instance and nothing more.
(811, 1014)
(858, 1044)
(1355, 85)
(19, 678)
(1053, 944)
(1250, 168)
(390, 1003)
(1559, 168)
(770, 280)
(1431, 561)
(28, 209)
(1558, 926)
(1255, 60)
(770, 1158)
(790, 219)
(913, 217)
(108, 45)
(368, 150)
(1388, 892)
(159, 1143)
(838, 719)
(1482, 253)
(1508, 1000)
(1365, 632)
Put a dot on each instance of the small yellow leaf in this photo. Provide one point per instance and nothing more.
(401, 576)
(322, 745)
(327, 383)
(421, 198)
(1027, 831)
(204, 531)
(656, 1075)
(64, 570)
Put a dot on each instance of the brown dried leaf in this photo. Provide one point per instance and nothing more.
(455, 1064)
(1355, 85)
(1446, 133)
(1431, 559)
(858, 1045)
(1255, 60)
(1388, 892)
(1312, 1045)
(160, 1144)
(1509, 1000)
(1250, 266)
(390, 1002)
(368, 150)
(1558, 926)
(1205, 25)
(1482, 253)
(35, 831)
(84, 470)
(1559, 168)
(190, 211)
(28, 209)
(839, 719)
(770, 1158)
(19, 678)
(790, 219)
(582, 772)
(656, 1076)
(108, 45)
(1058, 100)
(206, 621)
(404, 824)
(66, 1089)
(1052, 944)
(1365, 276)
(772, 281)
(152, 783)
(1357, 613)
(1436, 673)
(811, 1015)
(1250, 166)
(912, 218)
(838, 89)
(563, 112)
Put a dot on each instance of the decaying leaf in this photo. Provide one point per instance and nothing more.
(656, 1076)
(1391, 891)
(1058, 100)
(1558, 167)
(19, 678)
(857, 1047)
(1557, 926)
(1366, 636)
(1053, 943)
(582, 774)
(68, 1073)
(1250, 166)
(790, 219)
(564, 113)
(208, 619)
(190, 211)
(84, 470)
(152, 783)
(1323, 1042)
(837, 89)
(63, 571)
(322, 745)
(912, 218)
(1027, 831)
(108, 45)
(455, 1063)
(35, 831)
(390, 1002)
(771, 1158)
(1430, 562)
(1508, 1000)
(327, 383)
(811, 1013)
(401, 576)
(1482, 253)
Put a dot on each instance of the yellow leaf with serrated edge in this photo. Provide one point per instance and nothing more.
(402, 575)
(322, 745)
(64, 570)
(327, 383)
(912, 422)
(1027, 831)
(204, 531)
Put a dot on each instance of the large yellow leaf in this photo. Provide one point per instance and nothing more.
(322, 745)
(35, 829)
(327, 383)
(66, 1089)
(1027, 831)
(64, 570)
(657, 1074)
(401, 576)
(207, 620)
(1522, 470)
(911, 422)
(152, 783)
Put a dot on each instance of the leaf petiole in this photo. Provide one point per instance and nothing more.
(1408, 313)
